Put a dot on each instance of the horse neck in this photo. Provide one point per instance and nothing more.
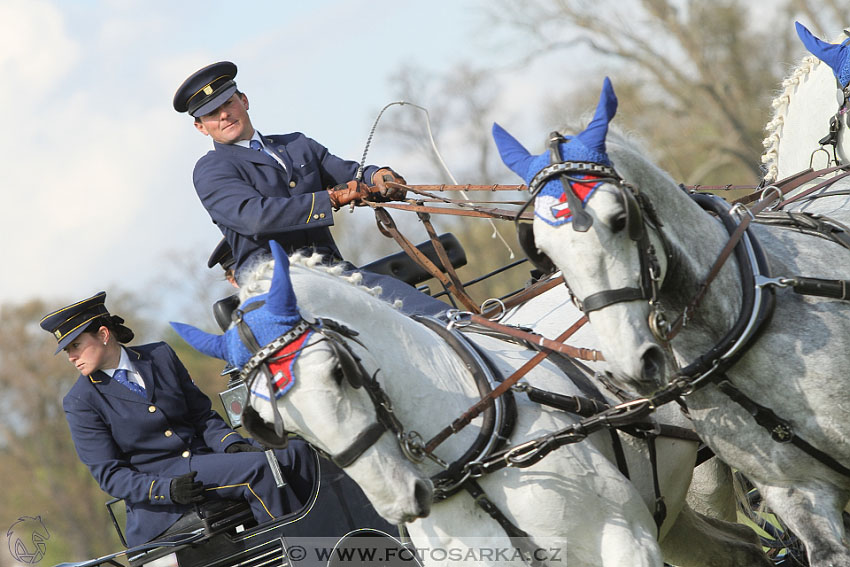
(801, 118)
(693, 240)
(427, 382)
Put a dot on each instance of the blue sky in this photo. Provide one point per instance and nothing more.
(97, 165)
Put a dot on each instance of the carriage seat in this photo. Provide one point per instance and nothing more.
(220, 515)
(404, 268)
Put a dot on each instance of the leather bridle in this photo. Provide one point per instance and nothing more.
(350, 370)
(638, 213)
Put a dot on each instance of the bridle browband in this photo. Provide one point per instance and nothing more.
(638, 213)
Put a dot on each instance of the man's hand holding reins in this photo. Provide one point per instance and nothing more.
(387, 183)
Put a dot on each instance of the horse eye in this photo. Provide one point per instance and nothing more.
(619, 223)
(338, 375)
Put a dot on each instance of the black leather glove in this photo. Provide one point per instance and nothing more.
(186, 490)
(242, 447)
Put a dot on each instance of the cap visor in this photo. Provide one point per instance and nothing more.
(214, 102)
(68, 338)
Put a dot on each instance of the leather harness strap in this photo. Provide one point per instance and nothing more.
(441, 252)
(518, 537)
(541, 341)
(791, 182)
(811, 190)
(780, 430)
(480, 212)
(388, 227)
(785, 186)
(485, 401)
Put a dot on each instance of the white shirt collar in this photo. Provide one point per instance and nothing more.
(124, 363)
(247, 143)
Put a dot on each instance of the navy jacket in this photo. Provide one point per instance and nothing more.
(253, 199)
(134, 446)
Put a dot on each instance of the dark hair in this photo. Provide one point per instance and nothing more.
(114, 323)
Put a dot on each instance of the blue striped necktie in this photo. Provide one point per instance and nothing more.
(121, 377)
(256, 145)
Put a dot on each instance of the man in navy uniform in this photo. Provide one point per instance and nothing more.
(149, 435)
(258, 188)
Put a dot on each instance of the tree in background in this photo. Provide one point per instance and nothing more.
(694, 78)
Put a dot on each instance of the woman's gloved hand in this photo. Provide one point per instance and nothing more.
(186, 490)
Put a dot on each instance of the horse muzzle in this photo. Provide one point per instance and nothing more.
(653, 363)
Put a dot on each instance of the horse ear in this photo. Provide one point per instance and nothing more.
(207, 343)
(281, 298)
(593, 137)
(513, 154)
(837, 56)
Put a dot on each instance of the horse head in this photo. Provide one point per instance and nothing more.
(305, 376)
(609, 259)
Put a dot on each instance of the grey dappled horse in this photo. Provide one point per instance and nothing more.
(630, 241)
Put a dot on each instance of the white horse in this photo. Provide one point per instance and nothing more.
(599, 233)
(574, 504)
(808, 106)
(809, 98)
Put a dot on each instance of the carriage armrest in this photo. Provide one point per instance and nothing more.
(109, 505)
(403, 267)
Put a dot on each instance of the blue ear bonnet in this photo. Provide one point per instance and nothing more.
(265, 326)
(588, 146)
(837, 56)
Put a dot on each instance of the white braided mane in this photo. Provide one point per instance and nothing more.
(780, 109)
(258, 280)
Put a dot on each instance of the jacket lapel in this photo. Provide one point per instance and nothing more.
(247, 154)
(104, 384)
(144, 366)
(280, 151)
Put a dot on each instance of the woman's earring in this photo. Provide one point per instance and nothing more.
(104, 343)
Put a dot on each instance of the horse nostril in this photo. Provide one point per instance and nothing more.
(422, 493)
(653, 363)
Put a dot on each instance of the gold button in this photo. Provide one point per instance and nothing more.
(186, 454)
(151, 409)
(321, 215)
(292, 184)
(315, 216)
(168, 433)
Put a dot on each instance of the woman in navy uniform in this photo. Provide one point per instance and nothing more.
(149, 435)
